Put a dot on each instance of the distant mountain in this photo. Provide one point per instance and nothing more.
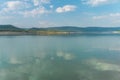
(79, 29)
(9, 28)
(101, 29)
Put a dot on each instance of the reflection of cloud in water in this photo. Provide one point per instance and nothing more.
(101, 65)
(66, 56)
(14, 60)
(40, 67)
(114, 49)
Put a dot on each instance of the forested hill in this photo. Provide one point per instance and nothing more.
(59, 30)
(10, 28)
(80, 29)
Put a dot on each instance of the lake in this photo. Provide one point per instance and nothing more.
(84, 57)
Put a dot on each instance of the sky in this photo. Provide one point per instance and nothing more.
(53, 13)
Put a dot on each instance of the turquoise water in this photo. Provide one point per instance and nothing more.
(60, 57)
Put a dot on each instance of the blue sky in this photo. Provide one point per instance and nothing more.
(49, 13)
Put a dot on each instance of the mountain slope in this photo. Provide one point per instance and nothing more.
(59, 30)
(9, 28)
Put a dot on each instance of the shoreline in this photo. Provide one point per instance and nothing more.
(52, 33)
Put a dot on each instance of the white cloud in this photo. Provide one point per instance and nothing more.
(99, 17)
(66, 8)
(24, 7)
(35, 12)
(111, 19)
(98, 2)
(40, 2)
(114, 14)
(14, 5)
(107, 16)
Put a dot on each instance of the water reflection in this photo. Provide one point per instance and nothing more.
(66, 56)
(58, 58)
(102, 65)
(37, 66)
(57, 66)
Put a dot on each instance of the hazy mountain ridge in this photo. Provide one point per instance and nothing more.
(58, 30)
(80, 29)
(9, 28)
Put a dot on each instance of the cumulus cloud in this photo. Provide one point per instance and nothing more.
(66, 8)
(34, 12)
(25, 7)
(96, 2)
(38, 9)
(13, 5)
(40, 2)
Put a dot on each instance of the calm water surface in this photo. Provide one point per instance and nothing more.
(60, 57)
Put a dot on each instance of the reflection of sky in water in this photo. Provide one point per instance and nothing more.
(59, 58)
